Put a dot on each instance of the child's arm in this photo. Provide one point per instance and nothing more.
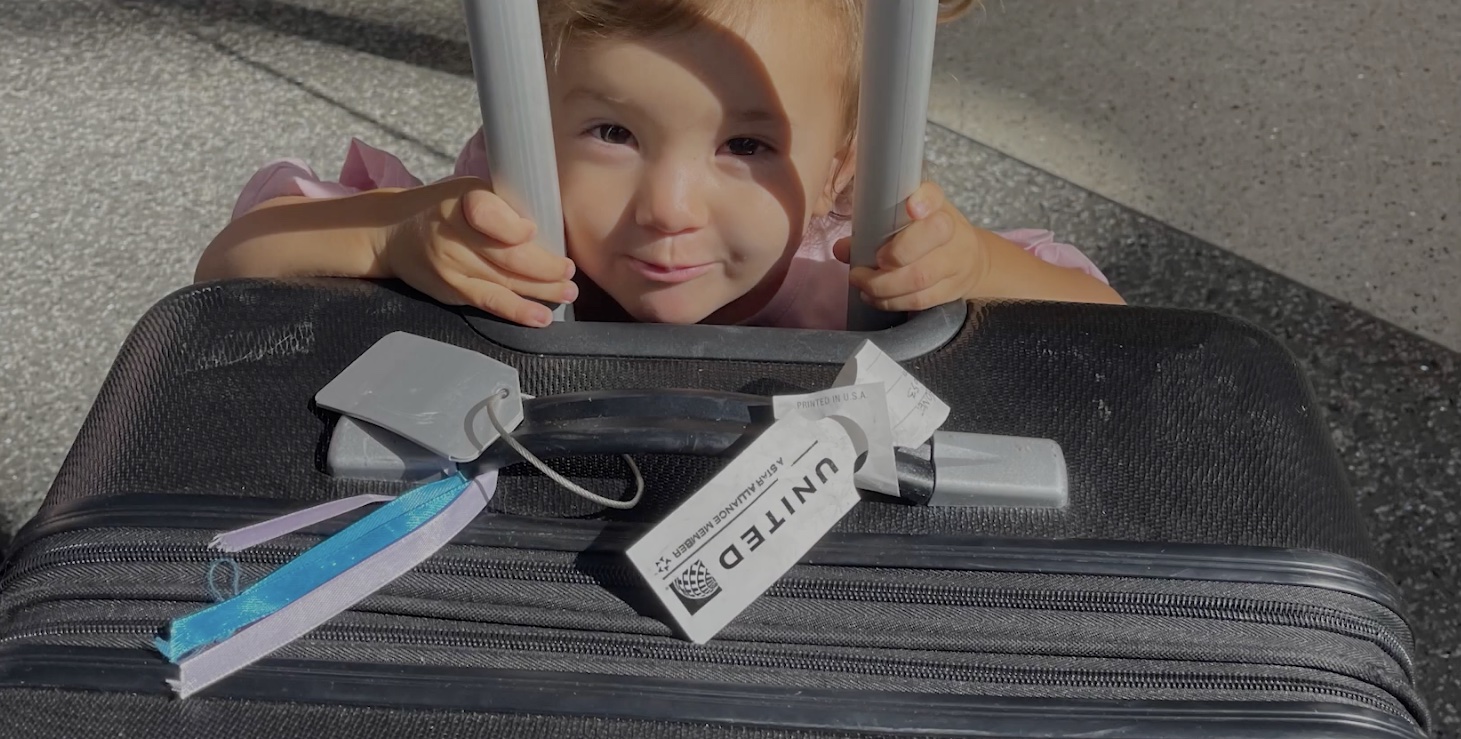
(453, 240)
(941, 257)
(305, 237)
(1013, 272)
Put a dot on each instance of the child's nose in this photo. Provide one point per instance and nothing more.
(671, 200)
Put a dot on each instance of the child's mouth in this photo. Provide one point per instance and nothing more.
(669, 274)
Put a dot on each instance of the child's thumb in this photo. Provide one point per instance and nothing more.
(842, 250)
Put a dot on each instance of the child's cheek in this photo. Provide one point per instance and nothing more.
(592, 210)
(758, 237)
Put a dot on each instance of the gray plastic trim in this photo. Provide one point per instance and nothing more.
(1000, 471)
(922, 334)
(363, 451)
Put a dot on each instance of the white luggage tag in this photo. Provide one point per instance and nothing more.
(723, 547)
(914, 410)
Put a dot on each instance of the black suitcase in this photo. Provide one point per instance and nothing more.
(1210, 577)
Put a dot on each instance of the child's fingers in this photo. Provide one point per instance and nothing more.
(916, 242)
(492, 217)
(450, 286)
(552, 290)
(923, 300)
(879, 295)
(561, 291)
(910, 280)
(939, 229)
(529, 260)
(926, 200)
(500, 301)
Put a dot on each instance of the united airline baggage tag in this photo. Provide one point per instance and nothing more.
(914, 410)
(863, 412)
(721, 549)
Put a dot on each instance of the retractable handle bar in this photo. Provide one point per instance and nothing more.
(512, 89)
(892, 118)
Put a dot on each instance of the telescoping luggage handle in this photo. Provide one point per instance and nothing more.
(414, 409)
(512, 89)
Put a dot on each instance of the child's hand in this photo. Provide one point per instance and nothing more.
(936, 259)
(466, 246)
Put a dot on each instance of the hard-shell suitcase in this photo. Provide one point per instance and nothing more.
(1210, 575)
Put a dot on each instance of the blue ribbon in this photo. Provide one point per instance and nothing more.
(311, 569)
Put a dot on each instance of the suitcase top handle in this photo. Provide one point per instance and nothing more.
(512, 89)
(415, 408)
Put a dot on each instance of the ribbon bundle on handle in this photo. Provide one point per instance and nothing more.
(323, 581)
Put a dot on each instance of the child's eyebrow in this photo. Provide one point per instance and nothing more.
(755, 116)
(750, 115)
(595, 95)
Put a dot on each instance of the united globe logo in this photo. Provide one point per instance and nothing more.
(695, 586)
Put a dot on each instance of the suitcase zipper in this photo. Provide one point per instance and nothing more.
(605, 571)
(168, 513)
(799, 586)
(630, 647)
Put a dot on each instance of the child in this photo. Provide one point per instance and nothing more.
(705, 153)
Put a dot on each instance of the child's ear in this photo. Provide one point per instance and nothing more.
(839, 178)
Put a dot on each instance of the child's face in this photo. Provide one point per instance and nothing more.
(691, 165)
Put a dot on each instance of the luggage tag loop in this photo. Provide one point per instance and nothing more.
(453, 402)
(491, 405)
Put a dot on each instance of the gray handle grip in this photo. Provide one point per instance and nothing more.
(898, 39)
(512, 88)
(962, 470)
(983, 470)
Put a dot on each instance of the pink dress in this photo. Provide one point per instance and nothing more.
(814, 294)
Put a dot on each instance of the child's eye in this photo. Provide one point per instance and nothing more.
(612, 134)
(746, 147)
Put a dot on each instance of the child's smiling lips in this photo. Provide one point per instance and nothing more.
(669, 273)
